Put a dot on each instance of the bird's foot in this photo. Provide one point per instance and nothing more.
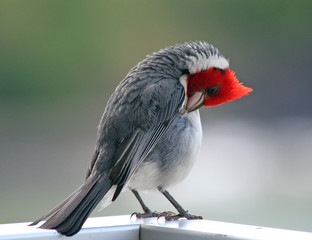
(150, 214)
(147, 214)
(173, 217)
(185, 215)
(168, 215)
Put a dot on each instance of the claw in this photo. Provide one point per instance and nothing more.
(136, 214)
(146, 214)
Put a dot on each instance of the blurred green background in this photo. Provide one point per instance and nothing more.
(61, 60)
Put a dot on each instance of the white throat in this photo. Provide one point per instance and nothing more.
(184, 84)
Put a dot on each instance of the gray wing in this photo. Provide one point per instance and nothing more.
(134, 122)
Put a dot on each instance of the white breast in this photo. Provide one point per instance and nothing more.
(151, 175)
(191, 144)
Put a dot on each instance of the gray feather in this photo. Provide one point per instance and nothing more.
(69, 218)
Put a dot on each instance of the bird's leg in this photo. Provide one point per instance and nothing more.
(147, 212)
(143, 205)
(182, 212)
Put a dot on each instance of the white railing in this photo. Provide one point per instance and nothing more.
(122, 227)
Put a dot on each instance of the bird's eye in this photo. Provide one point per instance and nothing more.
(219, 69)
(212, 91)
(185, 72)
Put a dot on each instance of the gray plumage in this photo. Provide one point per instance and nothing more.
(143, 140)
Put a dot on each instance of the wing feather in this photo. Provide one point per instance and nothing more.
(131, 127)
(140, 145)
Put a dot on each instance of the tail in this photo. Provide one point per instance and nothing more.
(68, 217)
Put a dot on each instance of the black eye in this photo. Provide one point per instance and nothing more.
(185, 71)
(212, 91)
(219, 69)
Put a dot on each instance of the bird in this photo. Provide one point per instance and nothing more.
(150, 133)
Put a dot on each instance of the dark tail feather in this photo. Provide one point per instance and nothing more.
(68, 217)
(58, 207)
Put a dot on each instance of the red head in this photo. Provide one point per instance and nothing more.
(213, 87)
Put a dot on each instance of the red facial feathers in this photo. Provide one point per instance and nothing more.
(230, 87)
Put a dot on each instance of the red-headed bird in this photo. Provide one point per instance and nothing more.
(150, 133)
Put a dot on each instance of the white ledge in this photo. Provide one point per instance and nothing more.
(122, 227)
